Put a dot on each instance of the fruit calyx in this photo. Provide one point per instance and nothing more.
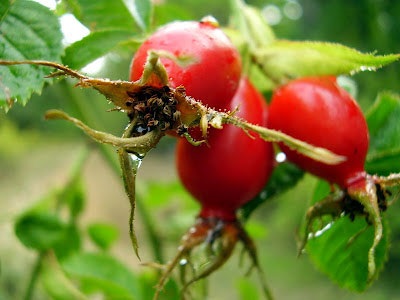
(366, 197)
(218, 239)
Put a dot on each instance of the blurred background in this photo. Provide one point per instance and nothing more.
(35, 156)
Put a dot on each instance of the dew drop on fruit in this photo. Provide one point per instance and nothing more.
(280, 157)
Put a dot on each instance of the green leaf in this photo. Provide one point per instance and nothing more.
(169, 12)
(28, 31)
(341, 252)
(384, 128)
(340, 248)
(94, 46)
(102, 272)
(103, 14)
(149, 279)
(247, 289)
(252, 25)
(40, 230)
(143, 11)
(283, 59)
(73, 195)
(103, 235)
(70, 242)
(284, 177)
(57, 285)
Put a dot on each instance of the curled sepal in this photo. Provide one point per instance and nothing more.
(342, 235)
(130, 145)
(217, 239)
(365, 192)
(331, 207)
(135, 144)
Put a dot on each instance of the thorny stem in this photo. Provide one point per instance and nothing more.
(116, 91)
(64, 70)
(316, 153)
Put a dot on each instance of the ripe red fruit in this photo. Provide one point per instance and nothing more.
(214, 74)
(233, 167)
(318, 111)
(222, 176)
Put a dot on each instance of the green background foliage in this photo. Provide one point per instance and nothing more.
(79, 210)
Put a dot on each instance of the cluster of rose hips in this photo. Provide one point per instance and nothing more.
(233, 166)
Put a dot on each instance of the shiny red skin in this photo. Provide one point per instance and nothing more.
(234, 167)
(214, 76)
(318, 111)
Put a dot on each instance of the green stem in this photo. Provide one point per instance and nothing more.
(34, 277)
(151, 232)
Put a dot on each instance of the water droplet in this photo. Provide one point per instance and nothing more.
(321, 231)
(183, 262)
(136, 159)
(263, 195)
(280, 157)
(272, 14)
(293, 10)
(362, 68)
(366, 68)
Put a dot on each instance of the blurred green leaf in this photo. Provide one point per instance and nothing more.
(93, 46)
(159, 194)
(103, 235)
(143, 13)
(56, 283)
(148, 281)
(247, 289)
(104, 273)
(251, 24)
(284, 177)
(70, 242)
(340, 248)
(169, 12)
(103, 14)
(73, 195)
(342, 255)
(40, 230)
(384, 128)
(256, 229)
(28, 31)
(283, 59)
